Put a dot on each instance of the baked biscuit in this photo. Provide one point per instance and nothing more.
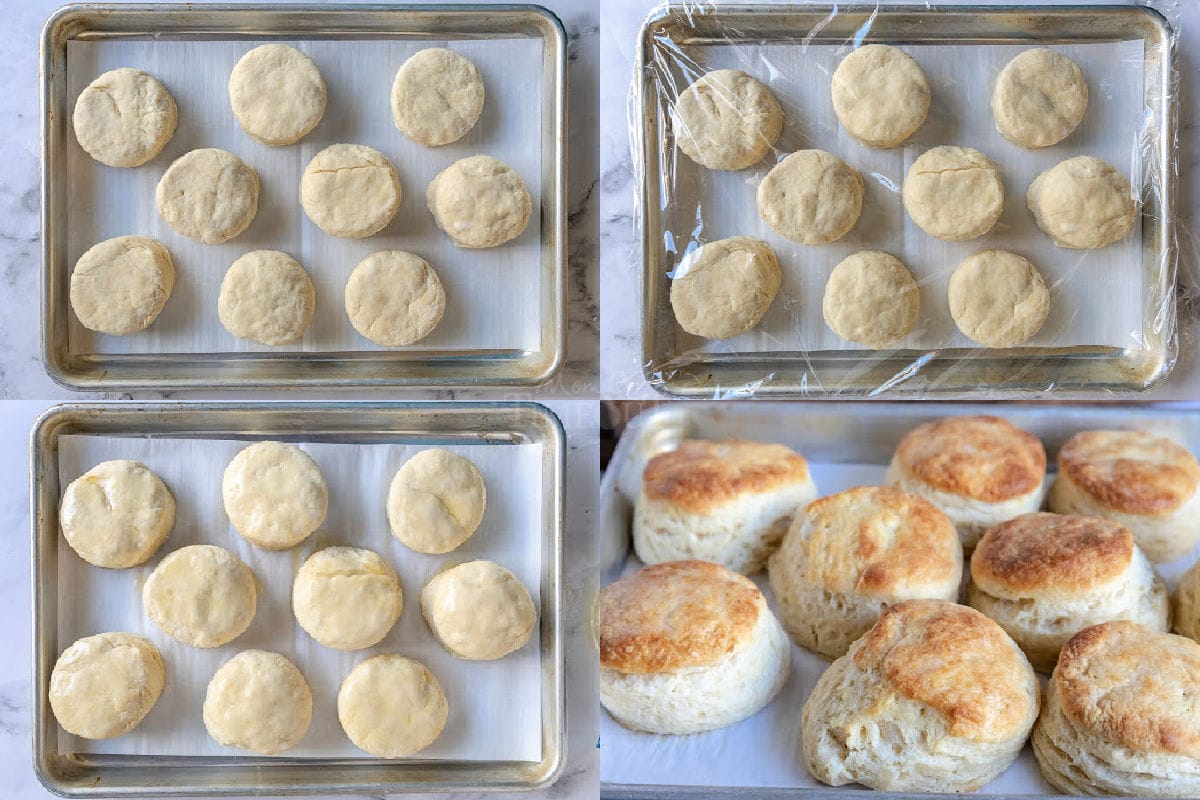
(687, 647)
(849, 555)
(1185, 605)
(934, 698)
(1045, 577)
(979, 470)
(1147, 483)
(1120, 714)
(727, 502)
(726, 120)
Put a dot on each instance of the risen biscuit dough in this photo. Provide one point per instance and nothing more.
(392, 706)
(120, 285)
(880, 95)
(258, 701)
(479, 202)
(350, 190)
(394, 298)
(998, 299)
(478, 610)
(347, 598)
(277, 94)
(436, 501)
(1039, 98)
(117, 514)
(723, 288)
(811, 197)
(726, 120)
(124, 118)
(953, 193)
(208, 195)
(872, 299)
(274, 494)
(102, 686)
(202, 595)
(268, 297)
(1082, 203)
(437, 96)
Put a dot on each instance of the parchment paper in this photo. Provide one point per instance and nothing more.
(492, 295)
(495, 707)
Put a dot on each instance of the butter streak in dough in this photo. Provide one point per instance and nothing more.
(436, 501)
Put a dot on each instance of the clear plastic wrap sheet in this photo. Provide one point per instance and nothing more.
(1112, 319)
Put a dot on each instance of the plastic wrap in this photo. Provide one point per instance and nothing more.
(1112, 321)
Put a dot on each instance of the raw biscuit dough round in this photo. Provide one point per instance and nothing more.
(478, 610)
(124, 118)
(998, 299)
(436, 501)
(1082, 203)
(258, 701)
(350, 190)
(394, 298)
(103, 686)
(880, 95)
(479, 202)
(268, 297)
(724, 288)
(277, 94)
(275, 495)
(117, 514)
(119, 286)
(726, 120)
(437, 96)
(872, 299)
(392, 706)
(1039, 98)
(201, 595)
(953, 193)
(347, 598)
(208, 195)
(811, 197)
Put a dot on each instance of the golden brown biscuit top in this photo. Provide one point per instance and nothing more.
(956, 661)
(675, 615)
(1130, 471)
(699, 475)
(1051, 554)
(880, 541)
(1132, 687)
(984, 458)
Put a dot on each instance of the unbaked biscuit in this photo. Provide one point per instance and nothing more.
(871, 299)
(1039, 98)
(811, 197)
(1082, 203)
(208, 195)
(437, 96)
(392, 706)
(953, 193)
(394, 298)
(258, 701)
(201, 595)
(479, 202)
(350, 190)
(880, 95)
(686, 647)
(436, 501)
(722, 289)
(998, 299)
(119, 286)
(124, 118)
(103, 686)
(275, 495)
(268, 297)
(478, 610)
(726, 120)
(347, 598)
(277, 94)
(117, 514)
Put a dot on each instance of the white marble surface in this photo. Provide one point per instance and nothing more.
(620, 285)
(21, 372)
(579, 779)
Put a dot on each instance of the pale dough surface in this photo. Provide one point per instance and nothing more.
(478, 610)
(277, 94)
(1082, 203)
(347, 598)
(275, 495)
(723, 288)
(880, 95)
(727, 120)
(258, 701)
(208, 195)
(811, 197)
(392, 706)
(872, 299)
(117, 514)
(998, 299)
(479, 202)
(102, 686)
(953, 193)
(437, 96)
(1039, 98)
(350, 190)
(124, 118)
(436, 501)
(268, 297)
(120, 285)
(394, 298)
(202, 595)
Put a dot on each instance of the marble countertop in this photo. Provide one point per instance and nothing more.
(620, 286)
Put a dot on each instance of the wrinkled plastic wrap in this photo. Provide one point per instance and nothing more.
(1112, 322)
